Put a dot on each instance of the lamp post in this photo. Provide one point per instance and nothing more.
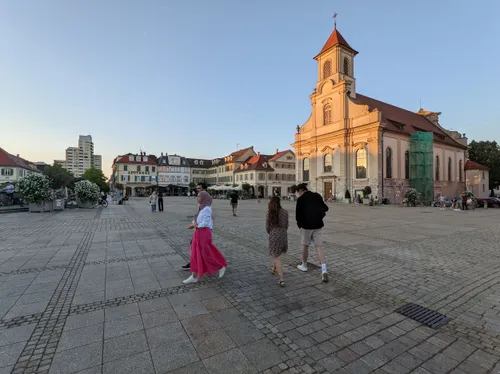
(335, 186)
(299, 161)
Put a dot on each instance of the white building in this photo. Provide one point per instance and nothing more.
(81, 158)
(12, 168)
(173, 173)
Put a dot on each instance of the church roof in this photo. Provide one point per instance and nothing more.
(402, 120)
(471, 165)
(335, 39)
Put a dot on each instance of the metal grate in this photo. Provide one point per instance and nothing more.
(423, 315)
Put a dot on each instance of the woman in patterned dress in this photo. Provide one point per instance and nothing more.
(276, 227)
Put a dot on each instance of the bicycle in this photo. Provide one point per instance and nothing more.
(103, 203)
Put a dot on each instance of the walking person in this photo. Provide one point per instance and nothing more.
(441, 202)
(276, 227)
(464, 201)
(310, 211)
(160, 201)
(199, 187)
(152, 201)
(234, 201)
(205, 257)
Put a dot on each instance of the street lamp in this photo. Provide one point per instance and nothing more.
(334, 185)
(299, 154)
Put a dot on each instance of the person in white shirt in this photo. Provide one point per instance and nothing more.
(205, 257)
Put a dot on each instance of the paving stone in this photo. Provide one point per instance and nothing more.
(196, 368)
(244, 333)
(228, 317)
(78, 337)
(217, 303)
(140, 363)
(77, 359)
(124, 346)
(210, 343)
(10, 353)
(168, 357)
(263, 354)
(230, 362)
(15, 334)
(121, 326)
(166, 335)
(121, 311)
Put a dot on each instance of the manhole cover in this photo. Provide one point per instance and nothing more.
(421, 314)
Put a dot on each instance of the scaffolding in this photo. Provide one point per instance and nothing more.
(421, 166)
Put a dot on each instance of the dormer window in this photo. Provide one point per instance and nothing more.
(201, 162)
(131, 158)
(138, 158)
(196, 162)
(145, 158)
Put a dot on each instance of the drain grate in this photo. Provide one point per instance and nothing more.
(423, 315)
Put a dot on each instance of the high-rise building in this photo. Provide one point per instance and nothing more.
(81, 158)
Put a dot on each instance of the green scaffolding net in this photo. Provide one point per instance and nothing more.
(421, 166)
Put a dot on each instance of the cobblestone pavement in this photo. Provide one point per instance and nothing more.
(100, 291)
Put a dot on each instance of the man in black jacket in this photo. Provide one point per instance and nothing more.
(310, 211)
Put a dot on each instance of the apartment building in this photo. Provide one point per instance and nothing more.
(81, 158)
(201, 171)
(268, 174)
(173, 173)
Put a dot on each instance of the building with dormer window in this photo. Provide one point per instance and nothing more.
(173, 173)
(137, 173)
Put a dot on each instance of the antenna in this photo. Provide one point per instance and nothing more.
(237, 146)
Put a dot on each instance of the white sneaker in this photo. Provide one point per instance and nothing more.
(190, 280)
(222, 272)
(302, 267)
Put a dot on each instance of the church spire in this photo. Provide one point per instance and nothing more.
(335, 39)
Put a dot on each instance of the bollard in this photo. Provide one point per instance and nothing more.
(485, 204)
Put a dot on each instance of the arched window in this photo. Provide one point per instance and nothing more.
(407, 165)
(327, 114)
(327, 69)
(437, 168)
(346, 66)
(328, 163)
(305, 170)
(361, 164)
(449, 169)
(388, 163)
(460, 170)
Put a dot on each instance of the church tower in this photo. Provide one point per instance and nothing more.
(336, 62)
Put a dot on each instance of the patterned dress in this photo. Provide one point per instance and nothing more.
(278, 238)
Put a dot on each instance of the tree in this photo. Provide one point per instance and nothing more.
(246, 187)
(96, 176)
(192, 185)
(487, 153)
(59, 176)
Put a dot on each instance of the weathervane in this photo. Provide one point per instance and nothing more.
(335, 20)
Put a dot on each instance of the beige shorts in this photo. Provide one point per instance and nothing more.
(311, 236)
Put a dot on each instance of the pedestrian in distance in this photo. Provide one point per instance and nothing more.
(276, 227)
(310, 211)
(152, 201)
(160, 201)
(205, 257)
(234, 201)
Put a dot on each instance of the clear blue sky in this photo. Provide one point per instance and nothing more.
(196, 77)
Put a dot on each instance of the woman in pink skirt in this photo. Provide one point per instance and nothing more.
(205, 257)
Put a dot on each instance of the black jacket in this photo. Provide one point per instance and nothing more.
(310, 211)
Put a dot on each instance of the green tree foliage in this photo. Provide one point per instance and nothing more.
(59, 176)
(246, 187)
(96, 176)
(487, 153)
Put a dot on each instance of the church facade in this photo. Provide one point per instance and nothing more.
(351, 141)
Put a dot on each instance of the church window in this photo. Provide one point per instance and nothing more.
(328, 163)
(305, 170)
(449, 169)
(388, 163)
(327, 69)
(327, 114)
(361, 164)
(437, 168)
(407, 165)
(460, 170)
(346, 66)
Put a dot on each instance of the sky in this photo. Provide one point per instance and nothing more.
(200, 78)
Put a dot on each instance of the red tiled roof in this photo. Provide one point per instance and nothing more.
(471, 165)
(404, 121)
(125, 159)
(256, 162)
(7, 159)
(334, 39)
(240, 152)
(279, 154)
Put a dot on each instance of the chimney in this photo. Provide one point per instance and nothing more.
(277, 150)
(18, 155)
(430, 116)
(258, 153)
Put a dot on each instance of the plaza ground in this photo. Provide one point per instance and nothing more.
(100, 291)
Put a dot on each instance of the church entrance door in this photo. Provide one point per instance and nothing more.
(327, 190)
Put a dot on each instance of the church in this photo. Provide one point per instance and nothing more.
(351, 141)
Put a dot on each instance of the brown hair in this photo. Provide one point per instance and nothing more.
(273, 210)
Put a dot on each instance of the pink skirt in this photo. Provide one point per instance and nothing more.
(205, 257)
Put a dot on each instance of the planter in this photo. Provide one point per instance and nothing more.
(366, 201)
(86, 204)
(43, 207)
(58, 204)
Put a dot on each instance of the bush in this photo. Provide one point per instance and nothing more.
(411, 196)
(367, 191)
(35, 188)
(87, 192)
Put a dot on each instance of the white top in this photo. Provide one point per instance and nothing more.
(204, 218)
